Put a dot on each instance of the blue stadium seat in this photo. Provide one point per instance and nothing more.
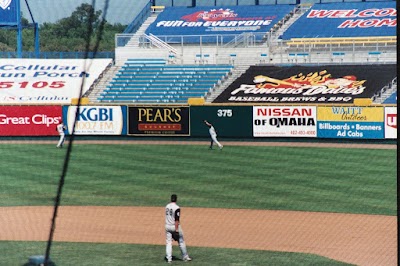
(153, 81)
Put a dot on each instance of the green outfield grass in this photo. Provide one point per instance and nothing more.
(278, 178)
(84, 254)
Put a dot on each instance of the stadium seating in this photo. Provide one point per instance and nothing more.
(154, 81)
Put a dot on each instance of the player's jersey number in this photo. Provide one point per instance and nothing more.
(169, 212)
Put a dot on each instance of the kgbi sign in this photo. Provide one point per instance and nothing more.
(96, 120)
(156, 121)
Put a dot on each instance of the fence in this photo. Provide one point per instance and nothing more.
(60, 55)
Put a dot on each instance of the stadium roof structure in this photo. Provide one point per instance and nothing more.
(119, 11)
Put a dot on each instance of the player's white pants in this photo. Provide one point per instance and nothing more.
(214, 139)
(182, 245)
(61, 141)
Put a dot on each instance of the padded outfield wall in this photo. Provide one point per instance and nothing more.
(247, 122)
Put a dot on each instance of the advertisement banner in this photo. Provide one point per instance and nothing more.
(9, 12)
(346, 20)
(285, 121)
(205, 21)
(96, 120)
(47, 81)
(158, 121)
(29, 120)
(390, 123)
(308, 84)
(228, 121)
(350, 122)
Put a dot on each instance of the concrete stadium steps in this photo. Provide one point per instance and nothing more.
(135, 40)
(104, 81)
(385, 92)
(236, 72)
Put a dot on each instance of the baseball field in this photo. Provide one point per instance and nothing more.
(253, 203)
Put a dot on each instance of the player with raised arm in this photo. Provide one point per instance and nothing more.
(213, 135)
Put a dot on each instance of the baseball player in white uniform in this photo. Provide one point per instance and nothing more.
(213, 135)
(172, 226)
(61, 131)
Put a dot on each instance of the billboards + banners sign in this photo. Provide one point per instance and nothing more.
(350, 122)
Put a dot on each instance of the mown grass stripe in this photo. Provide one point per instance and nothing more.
(254, 177)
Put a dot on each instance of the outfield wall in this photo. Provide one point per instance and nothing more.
(333, 122)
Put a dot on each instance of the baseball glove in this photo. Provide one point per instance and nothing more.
(175, 236)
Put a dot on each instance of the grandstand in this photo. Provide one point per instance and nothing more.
(152, 81)
(275, 44)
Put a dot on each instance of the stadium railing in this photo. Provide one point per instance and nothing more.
(60, 55)
(139, 19)
(345, 40)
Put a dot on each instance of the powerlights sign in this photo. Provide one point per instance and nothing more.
(9, 10)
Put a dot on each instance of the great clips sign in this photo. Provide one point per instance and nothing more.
(29, 120)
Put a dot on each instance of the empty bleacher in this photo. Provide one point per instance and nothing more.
(154, 81)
